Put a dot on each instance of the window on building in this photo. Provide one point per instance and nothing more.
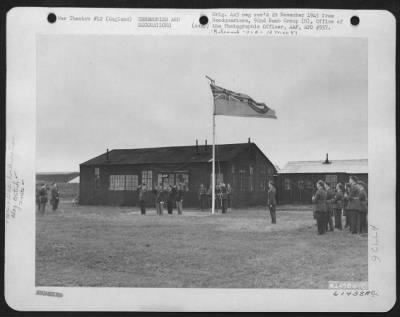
(263, 178)
(175, 178)
(131, 182)
(171, 179)
(331, 180)
(300, 184)
(183, 179)
(96, 178)
(147, 178)
(309, 185)
(286, 184)
(117, 182)
(251, 178)
(242, 180)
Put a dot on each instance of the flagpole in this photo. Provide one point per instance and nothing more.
(213, 155)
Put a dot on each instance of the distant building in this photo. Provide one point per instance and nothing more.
(298, 178)
(112, 178)
(56, 177)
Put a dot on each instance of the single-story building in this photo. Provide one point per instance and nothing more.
(113, 177)
(297, 179)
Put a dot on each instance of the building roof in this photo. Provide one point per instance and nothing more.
(359, 166)
(171, 154)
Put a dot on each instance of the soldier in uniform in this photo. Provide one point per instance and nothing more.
(202, 197)
(142, 198)
(55, 196)
(224, 198)
(218, 196)
(43, 198)
(272, 201)
(157, 191)
(171, 199)
(363, 207)
(209, 197)
(329, 207)
(346, 212)
(338, 206)
(319, 199)
(354, 205)
(229, 191)
(179, 199)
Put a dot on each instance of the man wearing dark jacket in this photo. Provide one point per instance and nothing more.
(319, 199)
(272, 201)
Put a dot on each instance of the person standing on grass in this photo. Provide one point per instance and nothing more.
(319, 199)
(363, 207)
(272, 201)
(157, 193)
(346, 211)
(179, 199)
(209, 198)
(142, 198)
(354, 205)
(338, 206)
(43, 199)
(329, 207)
(171, 199)
(229, 191)
(224, 198)
(55, 197)
(202, 197)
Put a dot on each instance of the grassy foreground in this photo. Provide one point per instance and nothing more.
(117, 247)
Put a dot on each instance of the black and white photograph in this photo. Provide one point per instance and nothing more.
(128, 123)
(202, 162)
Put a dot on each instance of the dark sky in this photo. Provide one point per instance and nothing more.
(98, 92)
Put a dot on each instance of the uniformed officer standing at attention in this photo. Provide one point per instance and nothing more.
(142, 198)
(338, 206)
(354, 205)
(319, 199)
(272, 201)
(363, 207)
(329, 207)
(346, 211)
(202, 197)
(157, 198)
(224, 198)
(55, 196)
(229, 191)
(43, 199)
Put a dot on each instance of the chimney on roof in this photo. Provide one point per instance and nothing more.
(197, 146)
(249, 140)
(205, 146)
(107, 156)
(327, 159)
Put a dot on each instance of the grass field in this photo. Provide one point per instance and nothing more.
(117, 247)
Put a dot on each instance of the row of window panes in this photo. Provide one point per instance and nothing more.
(131, 182)
(300, 184)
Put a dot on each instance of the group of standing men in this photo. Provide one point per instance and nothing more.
(42, 197)
(350, 200)
(171, 197)
(223, 197)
